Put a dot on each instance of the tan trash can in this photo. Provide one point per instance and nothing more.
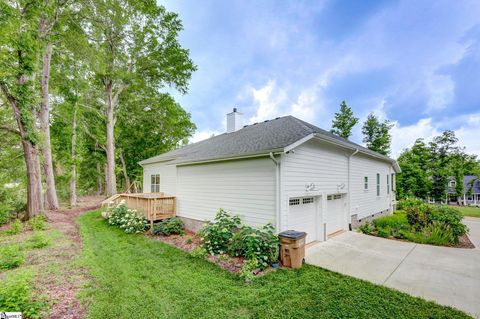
(292, 248)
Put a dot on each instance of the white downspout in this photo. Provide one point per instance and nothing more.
(349, 212)
(277, 192)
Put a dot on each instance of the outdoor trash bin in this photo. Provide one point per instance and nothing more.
(292, 248)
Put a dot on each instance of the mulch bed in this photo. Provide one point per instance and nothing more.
(465, 242)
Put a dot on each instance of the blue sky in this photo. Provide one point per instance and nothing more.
(416, 63)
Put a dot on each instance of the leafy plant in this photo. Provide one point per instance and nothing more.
(438, 233)
(38, 240)
(189, 240)
(15, 295)
(216, 235)
(11, 257)
(37, 222)
(117, 213)
(383, 232)
(260, 244)
(199, 252)
(451, 217)
(127, 219)
(366, 228)
(169, 227)
(419, 216)
(16, 227)
(397, 220)
(248, 268)
(411, 202)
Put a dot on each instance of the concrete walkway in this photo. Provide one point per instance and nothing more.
(448, 276)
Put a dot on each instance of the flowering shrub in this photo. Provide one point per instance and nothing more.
(127, 219)
(260, 244)
(216, 235)
(169, 227)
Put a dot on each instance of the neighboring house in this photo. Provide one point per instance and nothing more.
(471, 191)
(283, 171)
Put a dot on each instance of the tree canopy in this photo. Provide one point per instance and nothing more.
(377, 134)
(344, 121)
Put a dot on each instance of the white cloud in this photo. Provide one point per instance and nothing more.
(304, 108)
(203, 135)
(440, 89)
(268, 100)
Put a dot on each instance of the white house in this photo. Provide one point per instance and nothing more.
(284, 171)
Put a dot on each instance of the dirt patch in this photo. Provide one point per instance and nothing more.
(465, 242)
(62, 279)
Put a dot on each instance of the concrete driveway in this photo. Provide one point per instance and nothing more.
(448, 276)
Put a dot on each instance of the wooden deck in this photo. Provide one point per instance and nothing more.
(154, 206)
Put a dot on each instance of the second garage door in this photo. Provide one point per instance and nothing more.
(334, 213)
(303, 216)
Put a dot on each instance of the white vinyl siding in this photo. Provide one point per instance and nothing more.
(244, 187)
(368, 203)
(168, 177)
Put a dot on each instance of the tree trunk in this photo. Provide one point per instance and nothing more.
(125, 175)
(99, 180)
(110, 177)
(51, 199)
(73, 177)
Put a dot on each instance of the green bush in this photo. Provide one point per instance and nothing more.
(11, 257)
(127, 219)
(169, 227)
(412, 202)
(397, 220)
(260, 244)
(383, 232)
(438, 233)
(16, 227)
(248, 268)
(5, 213)
(15, 295)
(37, 222)
(216, 235)
(199, 252)
(38, 240)
(366, 228)
(419, 216)
(451, 217)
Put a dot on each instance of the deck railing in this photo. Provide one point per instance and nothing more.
(154, 206)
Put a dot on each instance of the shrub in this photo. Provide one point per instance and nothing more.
(15, 295)
(366, 228)
(419, 216)
(397, 220)
(199, 252)
(216, 235)
(451, 217)
(133, 223)
(37, 222)
(117, 213)
(168, 227)
(248, 268)
(383, 232)
(5, 213)
(38, 240)
(16, 227)
(412, 202)
(260, 244)
(11, 257)
(438, 233)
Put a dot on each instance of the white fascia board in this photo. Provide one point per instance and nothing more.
(299, 142)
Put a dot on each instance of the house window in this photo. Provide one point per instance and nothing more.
(337, 196)
(365, 183)
(388, 184)
(307, 200)
(393, 182)
(378, 184)
(155, 183)
(452, 184)
(294, 201)
(469, 197)
(329, 197)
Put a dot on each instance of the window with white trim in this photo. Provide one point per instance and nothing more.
(393, 182)
(378, 184)
(155, 183)
(365, 183)
(307, 200)
(452, 184)
(294, 201)
(388, 184)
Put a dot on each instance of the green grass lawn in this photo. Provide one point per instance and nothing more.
(136, 277)
(469, 211)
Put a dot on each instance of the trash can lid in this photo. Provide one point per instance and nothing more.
(292, 234)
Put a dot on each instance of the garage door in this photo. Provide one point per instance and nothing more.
(334, 213)
(302, 216)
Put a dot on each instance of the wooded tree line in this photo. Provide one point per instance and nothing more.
(82, 96)
(426, 167)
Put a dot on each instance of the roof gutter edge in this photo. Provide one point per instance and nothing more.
(223, 159)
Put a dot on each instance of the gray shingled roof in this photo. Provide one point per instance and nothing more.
(259, 138)
(471, 184)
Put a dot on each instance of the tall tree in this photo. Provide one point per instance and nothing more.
(20, 52)
(344, 121)
(377, 134)
(136, 44)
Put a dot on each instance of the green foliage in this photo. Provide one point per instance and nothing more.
(248, 268)
(418, 216)
(377, 134)
(169, 227)
(16, 227)
(127, 219)
(450, 217)
(410, 202)
(216, 235)
(11, 257)
(396, 220)
(37, 222)
(175, 285)
(16, 296)
(366, 228)
(199, 252)
(384, 232)
(344, 121)
(38, 240)
(259, 244)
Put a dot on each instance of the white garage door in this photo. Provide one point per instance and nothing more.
(302, 216)
(334, 213)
